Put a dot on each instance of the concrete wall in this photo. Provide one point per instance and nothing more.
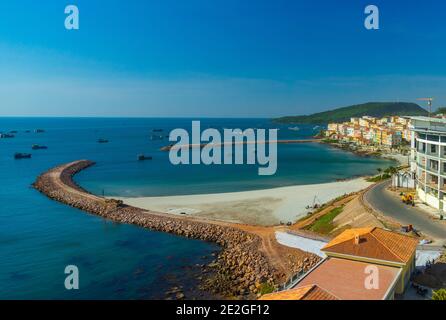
(428, 198)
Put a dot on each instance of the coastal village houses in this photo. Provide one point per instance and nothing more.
(351, 258)
(388, 131)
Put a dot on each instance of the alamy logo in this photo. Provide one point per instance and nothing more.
(371, 281)
(72, 280)
(371, 22)
(72, 20)
(209, 148)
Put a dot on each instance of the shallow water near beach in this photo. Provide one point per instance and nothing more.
(39, 237)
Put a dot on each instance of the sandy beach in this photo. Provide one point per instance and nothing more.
(401, 159)
(259, 207)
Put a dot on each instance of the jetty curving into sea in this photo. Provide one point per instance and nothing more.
(244, 142)
(249, 258)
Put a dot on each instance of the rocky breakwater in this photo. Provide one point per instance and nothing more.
(241, 268)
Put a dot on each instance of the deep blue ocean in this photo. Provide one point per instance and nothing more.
(39, 237)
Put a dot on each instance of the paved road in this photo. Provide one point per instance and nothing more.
(392, 207)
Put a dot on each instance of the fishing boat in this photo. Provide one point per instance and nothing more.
(156, 137)
(39, 131)
(19, 155)
(294, 128)
(142, 157)
(6, 135)
(102, 141)
(37, 147)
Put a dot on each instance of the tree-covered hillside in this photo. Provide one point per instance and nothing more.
(374, 109)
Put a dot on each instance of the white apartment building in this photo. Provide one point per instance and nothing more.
(428, 160)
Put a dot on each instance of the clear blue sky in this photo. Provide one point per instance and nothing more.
(217, 57)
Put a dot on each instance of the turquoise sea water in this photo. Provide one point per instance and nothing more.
(39, 237)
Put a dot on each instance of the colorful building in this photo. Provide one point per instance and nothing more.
(388, 131)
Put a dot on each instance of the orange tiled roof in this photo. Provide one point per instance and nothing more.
(375, 243)
(345, 279)
(309, 292)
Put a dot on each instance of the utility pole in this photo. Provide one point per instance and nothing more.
(429, 103)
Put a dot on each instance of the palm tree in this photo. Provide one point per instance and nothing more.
(407, 176)
(391, 170)
(380, 172)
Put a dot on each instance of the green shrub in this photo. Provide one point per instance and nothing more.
(266, 288)
(379, 178)
(439, 294)
(325, 223)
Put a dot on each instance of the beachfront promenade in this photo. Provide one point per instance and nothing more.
(250, 256)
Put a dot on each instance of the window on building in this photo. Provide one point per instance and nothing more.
(432, 138)
(433, 148)
(433, 164)
(434, 180)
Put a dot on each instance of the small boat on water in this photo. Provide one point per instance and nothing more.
(19, 155)
(142, 157)
(6, 135)
(294, 128)
(39, 131)
(156, 137)
(37, 147)
(102, 141)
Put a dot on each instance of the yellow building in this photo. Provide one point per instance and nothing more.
(332, 127)
(365, 123)
(378, 136)
(354, 121)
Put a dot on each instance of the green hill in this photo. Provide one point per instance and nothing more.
(441, 110)
(374, 109)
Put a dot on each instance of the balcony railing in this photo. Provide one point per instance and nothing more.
(432, 185)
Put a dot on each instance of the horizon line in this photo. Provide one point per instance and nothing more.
(138, 117)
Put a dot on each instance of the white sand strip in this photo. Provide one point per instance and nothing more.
(302, 243)
(258, 207)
